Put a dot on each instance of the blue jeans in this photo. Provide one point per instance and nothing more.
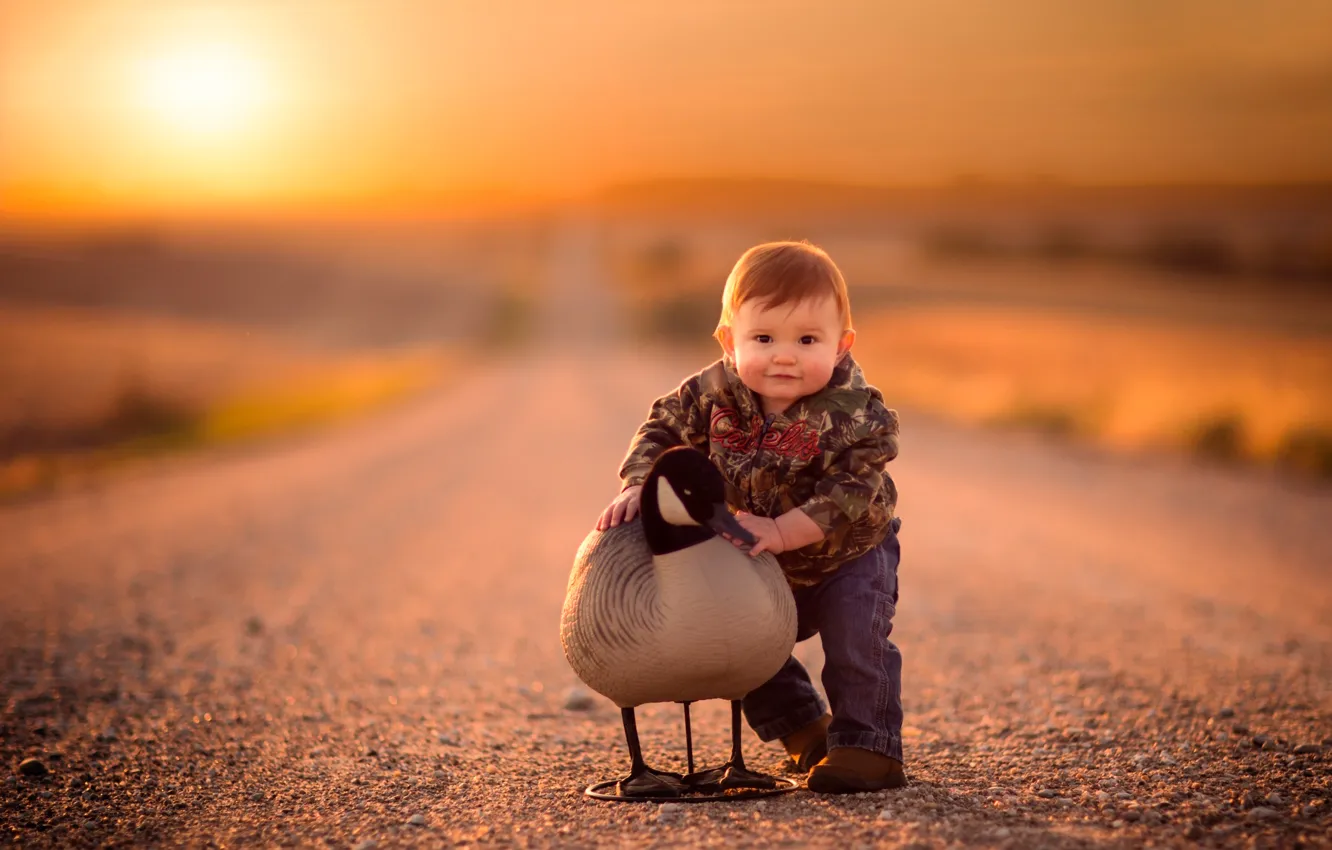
(862, 672)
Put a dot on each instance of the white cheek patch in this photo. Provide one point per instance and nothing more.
(669, 505)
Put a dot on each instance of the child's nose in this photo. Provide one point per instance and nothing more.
(784, 356)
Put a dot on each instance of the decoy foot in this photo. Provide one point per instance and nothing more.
(647, 782)
(728, 776)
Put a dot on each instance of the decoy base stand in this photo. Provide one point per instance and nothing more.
(609, 790)
(731, 781)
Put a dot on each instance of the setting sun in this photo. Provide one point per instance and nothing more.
(204, 90)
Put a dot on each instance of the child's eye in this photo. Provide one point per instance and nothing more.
(762, 338)
(808, 340)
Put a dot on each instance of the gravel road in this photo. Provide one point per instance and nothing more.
(351, 640)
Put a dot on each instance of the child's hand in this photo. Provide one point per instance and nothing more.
(622, 509)
(765, 530)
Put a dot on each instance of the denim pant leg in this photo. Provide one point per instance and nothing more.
(789, 700)
(862, 670)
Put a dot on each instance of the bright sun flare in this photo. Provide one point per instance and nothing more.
(205, 90)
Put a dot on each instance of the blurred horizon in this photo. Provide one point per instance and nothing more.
(721, 195)
(126, 109)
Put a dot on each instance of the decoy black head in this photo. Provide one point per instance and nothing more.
(684, 502)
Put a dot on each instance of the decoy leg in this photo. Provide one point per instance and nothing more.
(642, 780)
(733, 774)
(689, 739)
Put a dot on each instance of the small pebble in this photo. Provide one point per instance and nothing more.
(1307, 749)
(368, 844)
(1193, 833)
(578, 699)
(886, 814)
(1274, 799)
(1047, 793)
(32, 767)
(1002, 832)
(670, 812)
(1226, 712)
(1131, 815)
(1262, 813)
(417, 820)
(257, 796)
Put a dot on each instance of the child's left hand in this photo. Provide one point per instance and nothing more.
(765, 531)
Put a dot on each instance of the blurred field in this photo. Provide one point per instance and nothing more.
(339, 285)
(119, 343)
(1135, 383)
(81, 390)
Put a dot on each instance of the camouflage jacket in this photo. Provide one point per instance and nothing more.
(825, 455)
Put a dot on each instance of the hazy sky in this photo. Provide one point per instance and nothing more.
(113, 105)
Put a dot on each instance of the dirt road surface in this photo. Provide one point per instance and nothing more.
(353, 638)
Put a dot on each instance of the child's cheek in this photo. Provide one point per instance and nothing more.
(750, 374)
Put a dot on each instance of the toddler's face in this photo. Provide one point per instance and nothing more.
(786, 352)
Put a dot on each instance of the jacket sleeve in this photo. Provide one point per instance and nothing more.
(676, 419)
(855, 490)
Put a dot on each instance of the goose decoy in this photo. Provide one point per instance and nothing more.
(664, 609)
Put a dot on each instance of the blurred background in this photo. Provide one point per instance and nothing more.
(1106, 222)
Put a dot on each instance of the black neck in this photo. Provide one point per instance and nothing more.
(662, 537)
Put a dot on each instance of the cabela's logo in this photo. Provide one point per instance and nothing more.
(796, 440)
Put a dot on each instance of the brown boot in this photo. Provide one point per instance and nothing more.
(850, 770)
(809, 744)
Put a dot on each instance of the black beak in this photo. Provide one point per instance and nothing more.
(723, 523)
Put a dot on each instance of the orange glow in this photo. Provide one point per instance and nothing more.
(134, 106)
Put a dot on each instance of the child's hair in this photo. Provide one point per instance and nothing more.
(783, 273)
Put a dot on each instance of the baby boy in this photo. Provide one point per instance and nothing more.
(802, 441)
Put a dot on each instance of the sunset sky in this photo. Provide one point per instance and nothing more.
(112, 107)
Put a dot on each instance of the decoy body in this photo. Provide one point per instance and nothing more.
(666, 610)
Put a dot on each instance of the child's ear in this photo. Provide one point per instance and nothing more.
(848, 339)
(727, 339)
